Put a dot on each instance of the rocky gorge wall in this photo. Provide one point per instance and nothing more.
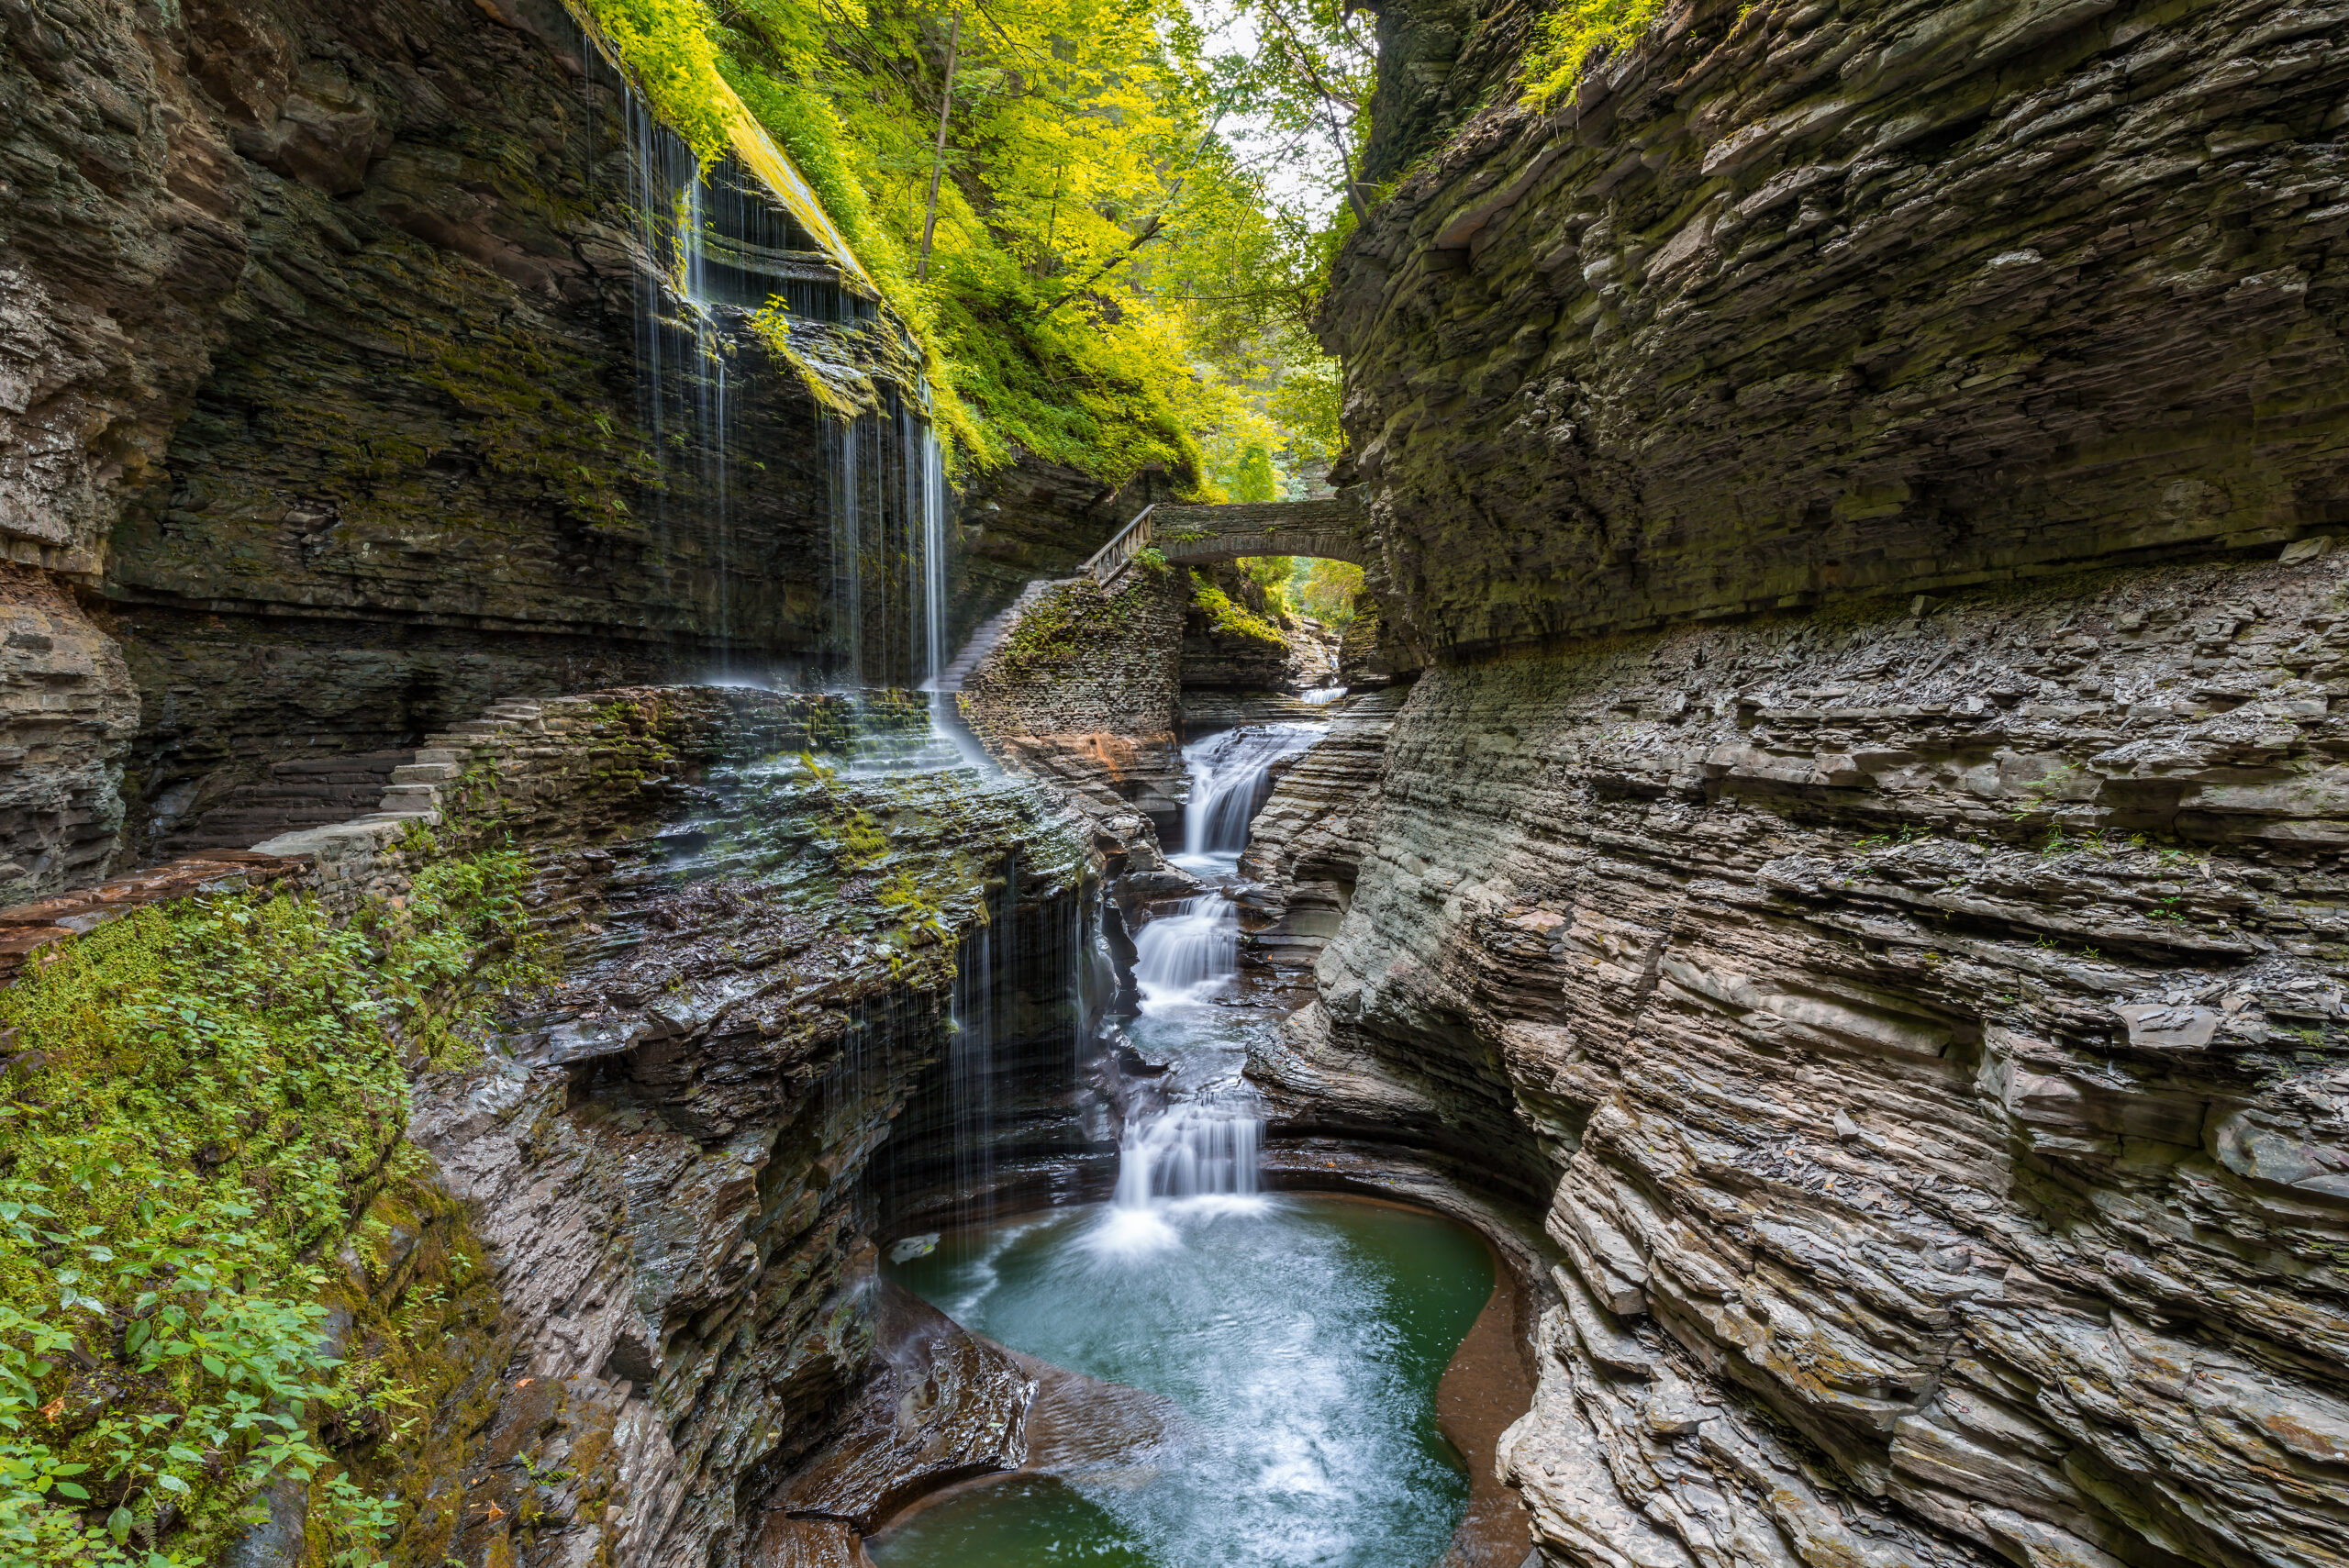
(620, 1265)
(346, 388)
(1923, 1032)
(669, 1161)
(1888, 928)
(1791, 303)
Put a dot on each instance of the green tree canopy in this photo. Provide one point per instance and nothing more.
(1113, 280)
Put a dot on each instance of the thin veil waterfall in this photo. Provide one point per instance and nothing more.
(971, 1075)
(890, 548)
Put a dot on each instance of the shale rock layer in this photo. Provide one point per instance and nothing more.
(1795, 301)
(1923, 1032)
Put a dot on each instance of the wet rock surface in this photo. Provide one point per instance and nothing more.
(1306, 846)
(345, 373)
(667, 1161)
(1920, 1029)
(944, 1406)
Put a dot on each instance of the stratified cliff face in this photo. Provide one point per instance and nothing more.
(1918, 1015)
(670, 1156)
(1924, 1033)
(342, 367)
(1798, 302)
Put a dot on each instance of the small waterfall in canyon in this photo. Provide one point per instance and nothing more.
(970, 1057)
(1230, 773)
(888, 539)
(1186, 956)
(711, 254)
(1193, 1150)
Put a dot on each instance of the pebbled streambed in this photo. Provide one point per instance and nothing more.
(1293, 1343)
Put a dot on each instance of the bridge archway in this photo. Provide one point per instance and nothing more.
(1201, 536)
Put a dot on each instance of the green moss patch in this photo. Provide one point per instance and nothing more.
(1228, 618)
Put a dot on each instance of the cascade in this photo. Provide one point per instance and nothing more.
(1185, 958)
(1196, 1150)
(1229, 771)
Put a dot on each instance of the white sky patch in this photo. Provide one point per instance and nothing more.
(1300, 171)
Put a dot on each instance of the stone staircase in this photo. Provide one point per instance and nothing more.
(989, 634)
(307, 792)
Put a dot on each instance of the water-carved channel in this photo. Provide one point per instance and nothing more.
(1287, 1347)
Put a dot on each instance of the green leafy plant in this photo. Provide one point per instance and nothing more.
(206, 1095)
(1228, 618)
(1564, 40)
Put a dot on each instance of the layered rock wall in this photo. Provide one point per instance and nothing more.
(1793, 303)
(345, 383)
(666, 1162)
(1084, 690)
(1922, 1025)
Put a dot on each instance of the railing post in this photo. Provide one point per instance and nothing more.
(1105, 563)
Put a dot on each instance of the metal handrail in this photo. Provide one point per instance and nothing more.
(1107, 561)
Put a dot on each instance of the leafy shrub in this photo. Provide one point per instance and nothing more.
(206, 1095)
(1564, 40)
(1229, 617)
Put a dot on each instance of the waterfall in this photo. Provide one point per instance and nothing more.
(970, 1075)
(1227, 775)
(712, 249)
(692, 228)
(847, 548)
(1192, 1150)
(1188, 956)
(888, 543)
(1200, 1154)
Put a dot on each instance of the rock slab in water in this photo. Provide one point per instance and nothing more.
(943, 1405)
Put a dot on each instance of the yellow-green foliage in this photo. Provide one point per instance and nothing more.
(205, 1097)
(1272, 574)
(1564, 40)
(1057, 315)
(1228, 617)
(667, 47)
(1327, 590)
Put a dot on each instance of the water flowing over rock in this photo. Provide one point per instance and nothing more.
(1188, 953)
(1191, 1151)
(1833, 848)
(1935, 1159)
(1230, 775)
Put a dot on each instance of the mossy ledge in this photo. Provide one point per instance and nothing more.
(265, 1299)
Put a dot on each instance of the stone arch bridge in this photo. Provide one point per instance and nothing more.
(1197, 536)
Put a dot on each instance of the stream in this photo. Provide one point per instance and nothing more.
(1300, 1337)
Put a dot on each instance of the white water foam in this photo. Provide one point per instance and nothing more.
(1227, 773)
(1184, 959)
(1194, 1158)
